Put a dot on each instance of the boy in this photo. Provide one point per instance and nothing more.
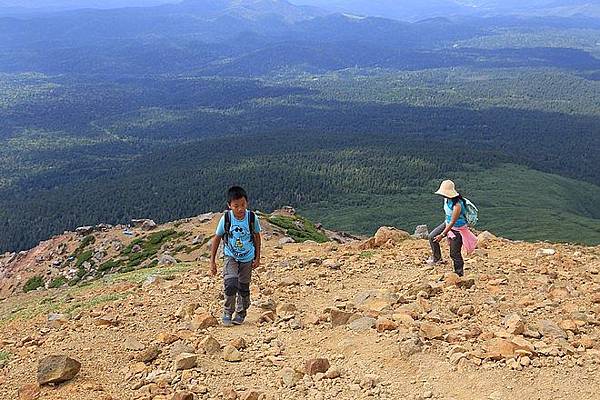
(240, 231)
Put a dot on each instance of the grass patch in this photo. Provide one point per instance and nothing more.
(33, 283)
(57, 282)
(298, 228)
(107, 298)
(366, 254)
(4, 357)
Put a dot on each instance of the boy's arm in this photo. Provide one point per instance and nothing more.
(257, 248)
(214, 249)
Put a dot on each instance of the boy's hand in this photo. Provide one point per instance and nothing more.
(213, 268)
(256, 263)
(438, 238)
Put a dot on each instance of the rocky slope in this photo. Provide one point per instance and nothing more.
(362, 319)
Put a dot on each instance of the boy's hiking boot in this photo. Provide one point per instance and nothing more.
(238, 319)
(227, 320)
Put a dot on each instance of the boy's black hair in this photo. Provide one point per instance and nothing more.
(236, 193)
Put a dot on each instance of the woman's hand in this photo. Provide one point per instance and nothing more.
(439, 238)
(256, 263)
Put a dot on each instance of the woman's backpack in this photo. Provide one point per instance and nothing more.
(470, 211)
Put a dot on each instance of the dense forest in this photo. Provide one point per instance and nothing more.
(353, 121)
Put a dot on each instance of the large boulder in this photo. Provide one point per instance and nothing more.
(57, 369)
(387, 234)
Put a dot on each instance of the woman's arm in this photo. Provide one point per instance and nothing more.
(455, 216)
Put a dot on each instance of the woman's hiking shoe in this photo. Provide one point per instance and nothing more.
(227, 320)
(431, 262)
(238, 320)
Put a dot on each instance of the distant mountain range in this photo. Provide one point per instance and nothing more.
(413, 10)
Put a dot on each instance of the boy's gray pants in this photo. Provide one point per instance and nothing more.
(236, 277)
(455, 249)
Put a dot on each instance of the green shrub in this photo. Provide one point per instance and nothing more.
(107, 266)
(58, 282)
(83, 257)
(298, 228)
(33, 283)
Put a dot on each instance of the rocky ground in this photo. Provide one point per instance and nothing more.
(344, 321)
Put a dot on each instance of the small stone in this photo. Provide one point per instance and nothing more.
(465, 311)
(384, 324)
(466, 283)
(369, 381)
(525, 361)
(133, 344)
(229, 394)
(514, 324)
(29, 392)
(339, 318)
(57, 369)
(106, 321)
(56, 321)
(251, 395)
(428, 394)
(148, 355)
(431, 330)
(331, 264)
(210, 345)
(180, 347)
(167, 338)
(231, 354)
(183, 396)
(185, 361)
(316, 365)
(268, 317)
(239, 343)
(333, 373)
(551, 330)
(203, 321)
(290, 377)
(363, 324)
(286, 309)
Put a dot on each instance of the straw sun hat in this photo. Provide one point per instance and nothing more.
(447, 189)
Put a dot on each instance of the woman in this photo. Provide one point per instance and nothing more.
(455, 228)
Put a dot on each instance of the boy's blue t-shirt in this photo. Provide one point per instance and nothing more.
(240, 244)
(449, 208)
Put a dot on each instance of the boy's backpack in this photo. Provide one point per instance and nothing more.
(471, 212)
(227, 226)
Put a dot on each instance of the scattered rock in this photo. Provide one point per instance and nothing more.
(251, 395)
(384, 324)
(431, 331)
(57, 369)
(210, 345)
(185, 361)
(290, 377)
(551, 330)
(484, 239)
(148, 355)
(133, 344)
(514, 324)
(421, 232)
(204, 321)
(363, 324)
(29, 392)
(231, 354)
(316, 365)
(339, 318)
(166, 259)
(183, 396)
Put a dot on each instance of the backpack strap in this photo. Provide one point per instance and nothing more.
(252, 225)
